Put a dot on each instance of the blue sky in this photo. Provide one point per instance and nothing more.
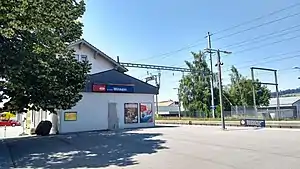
(142, 30)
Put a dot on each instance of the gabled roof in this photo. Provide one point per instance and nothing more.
(287, 101)
(115, 77)
(83, 41)
(165, 103)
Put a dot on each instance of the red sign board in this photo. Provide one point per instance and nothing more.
(99, 88)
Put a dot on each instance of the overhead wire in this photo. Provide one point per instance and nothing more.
(267, 44)
(165, 55)
(270, 61)
(270, 56)
(261, 46)
(257, 26)
(197, 43)
(278, 70)
(258, 18)
(262, 37)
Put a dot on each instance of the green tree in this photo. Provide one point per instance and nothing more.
(38, 71)
(241, 93)
(195, 87)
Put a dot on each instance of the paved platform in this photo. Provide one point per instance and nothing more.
(176, 147)
(10, 132)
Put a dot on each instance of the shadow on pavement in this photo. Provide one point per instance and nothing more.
(89, 149)
(244, 128)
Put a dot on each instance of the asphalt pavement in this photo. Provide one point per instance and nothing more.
(176, 147)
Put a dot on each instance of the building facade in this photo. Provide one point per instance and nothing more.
(111, 99)
(289, 107)
(169, 108)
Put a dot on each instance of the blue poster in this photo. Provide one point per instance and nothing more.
(120, 89)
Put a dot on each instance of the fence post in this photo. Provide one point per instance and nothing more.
(4, 131)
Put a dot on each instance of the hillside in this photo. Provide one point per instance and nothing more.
(288, 92)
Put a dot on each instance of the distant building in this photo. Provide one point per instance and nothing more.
(168, 108)
(289, 107)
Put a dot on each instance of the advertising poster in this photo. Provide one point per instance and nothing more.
(131, 112)
(146, 114)
(70, 116)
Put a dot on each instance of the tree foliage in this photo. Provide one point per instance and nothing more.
(195, 92)
(37, 68)
(241, 90)
(195, 87)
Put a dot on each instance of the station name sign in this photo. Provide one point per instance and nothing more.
(113, 88)
(253, 122)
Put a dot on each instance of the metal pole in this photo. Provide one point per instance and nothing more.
(220, 89)
(159, 74)
(158, 86)
(156, 99)
(179, 107)
(156, 96)
(277, 94)
(211, 77)
(253, 90)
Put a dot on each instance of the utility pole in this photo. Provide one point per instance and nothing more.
(211, 77)
(277, 94)
(220, 89)
(157, 81)
(253, 89)
(179, 103)
(219, 64)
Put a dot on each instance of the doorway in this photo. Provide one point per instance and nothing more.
(113, 122)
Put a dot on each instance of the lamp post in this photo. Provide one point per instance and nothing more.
(297, 67)
(179, 103)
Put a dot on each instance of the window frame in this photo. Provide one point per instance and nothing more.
(77, 57)
(83, 56)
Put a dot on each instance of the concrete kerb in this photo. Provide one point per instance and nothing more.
(270, 124)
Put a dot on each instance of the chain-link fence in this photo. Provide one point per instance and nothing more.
(268, 113)
(243, 112)
(239, 112)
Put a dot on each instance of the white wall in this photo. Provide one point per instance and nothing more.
(92, 111)
(99, 64)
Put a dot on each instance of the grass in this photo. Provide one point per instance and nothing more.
(195, 119)
(215, 119)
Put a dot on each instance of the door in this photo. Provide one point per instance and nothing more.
(113, 122)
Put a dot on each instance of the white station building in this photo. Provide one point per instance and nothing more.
(111, 98)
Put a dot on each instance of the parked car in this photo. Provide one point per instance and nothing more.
(9, 123)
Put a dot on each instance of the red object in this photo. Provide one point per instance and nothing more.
(9, 123)
(143, 108)
(99, 88)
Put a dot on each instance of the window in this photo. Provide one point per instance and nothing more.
(83, 57)
(76, 57)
